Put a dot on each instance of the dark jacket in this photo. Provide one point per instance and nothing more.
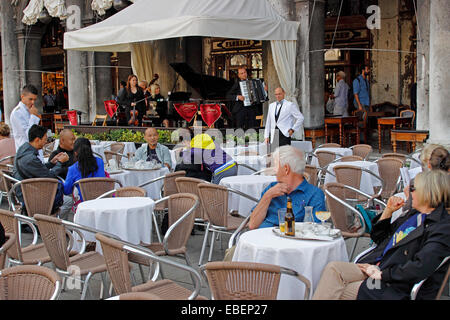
(235, 91)
(65, 166)
(411, 260)
(27, 165)
(126, 98)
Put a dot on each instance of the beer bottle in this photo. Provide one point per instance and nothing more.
(290, 219)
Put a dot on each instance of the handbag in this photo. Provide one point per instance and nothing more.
(330, 105)
(368, 216)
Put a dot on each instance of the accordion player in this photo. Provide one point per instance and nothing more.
(253, 91)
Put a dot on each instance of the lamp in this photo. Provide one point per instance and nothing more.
(44, 17)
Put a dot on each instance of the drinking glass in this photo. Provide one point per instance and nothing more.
(281, 219)
(323, 216)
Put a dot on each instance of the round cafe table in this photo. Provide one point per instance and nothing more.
(248, 184)
(128, 218)
(254, 161)
(339, 151)
(133, 178)
(307, 257)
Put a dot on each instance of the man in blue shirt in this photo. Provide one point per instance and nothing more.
(361, 90)
(290, 166)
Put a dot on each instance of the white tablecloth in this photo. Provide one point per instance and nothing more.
(259, 148)
(251, 185)
(256, 162)
(133, 178)
(306, 257)
(128, 218)
(339, 151)
(367, 180)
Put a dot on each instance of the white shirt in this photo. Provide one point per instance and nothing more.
(21, 121)
(290, 118)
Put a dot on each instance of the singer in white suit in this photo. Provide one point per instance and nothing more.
(284, 116)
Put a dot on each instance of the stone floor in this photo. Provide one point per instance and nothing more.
(193, 247)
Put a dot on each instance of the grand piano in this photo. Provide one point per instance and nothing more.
(210, 88)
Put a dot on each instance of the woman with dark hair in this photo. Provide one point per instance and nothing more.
(133, 98)
(86, 165)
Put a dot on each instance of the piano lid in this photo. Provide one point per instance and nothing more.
(209, 87)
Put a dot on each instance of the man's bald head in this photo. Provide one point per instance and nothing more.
(66, 139)
(151, 136)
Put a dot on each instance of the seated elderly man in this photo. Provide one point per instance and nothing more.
(152, 150)
(28, 165)
(290, 166)
(66, 141)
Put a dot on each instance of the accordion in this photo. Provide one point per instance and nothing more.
(253, 91)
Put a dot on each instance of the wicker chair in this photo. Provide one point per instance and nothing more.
(343, 214)
(83, 265)
(48, 148)
(5, 184)
(351, 176)
(248, 281)
(34, 253)
(117, 147)
(138, 296)
(125, 192)
(190, 185)
(313, 173)
(38, 194)
(7, 163)
(9, 243)
(348, 159)
(182, 207)
(215, 202)
(362, 150)
(117, 254)
(111, 154)
(400, 156)
(330, 145)
(325, 157)
(92, 188)
(389, 169)
(29, 283)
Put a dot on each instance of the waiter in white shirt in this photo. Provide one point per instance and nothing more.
(24, 115)
(283, 116)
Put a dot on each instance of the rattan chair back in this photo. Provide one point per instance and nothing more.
(9, 243)
(117, 147)
(112, 155)
(11, 225)
(350, 158)
(190, 185)
(339, 213)
(139, 296)
(92, 188)
(350, 176)
(170, 187)
(116, 259)
(215, 202)
(313, 173)
(28, 283)
(389, 170)
(131, 192)
(39, 195)
(53, 234)
(330, 145)
(325, 157)
(179, 204)
(362, 150)
(400, 156)
(243, 280)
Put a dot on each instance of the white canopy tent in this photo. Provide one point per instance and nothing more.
(133, 28)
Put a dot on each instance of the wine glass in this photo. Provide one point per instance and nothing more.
(323, 216)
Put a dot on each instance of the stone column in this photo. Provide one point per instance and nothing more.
(310, 65)
(29, 44)
(423, 64)
(103, 80)
(439, 72)
(77, 78)
(10, 62)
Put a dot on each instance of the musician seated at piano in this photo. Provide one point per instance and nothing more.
(134, 101)
(152, 150)
(243, 116)
(283, 118)
(202, 150)
(161, 105)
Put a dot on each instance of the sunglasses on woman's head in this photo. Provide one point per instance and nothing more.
(412, 188)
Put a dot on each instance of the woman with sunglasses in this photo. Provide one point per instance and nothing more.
(408, 250)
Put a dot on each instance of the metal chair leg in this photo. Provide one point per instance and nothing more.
(211, 248)
(104, 285)
(188, 262)
(205, 239)
(85, 286)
